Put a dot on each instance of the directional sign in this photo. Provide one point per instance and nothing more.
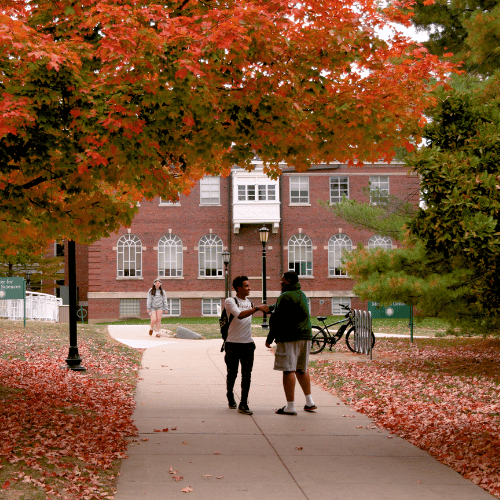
(11, 288)
(395, 310)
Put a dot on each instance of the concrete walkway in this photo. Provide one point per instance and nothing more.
(220, 454)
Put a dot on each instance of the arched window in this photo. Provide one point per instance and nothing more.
(129, 255)
(210, 255)
(300, 254)
(170, 256)
(337, 245)
(377, 241)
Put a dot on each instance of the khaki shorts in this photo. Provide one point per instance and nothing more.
(292, 356)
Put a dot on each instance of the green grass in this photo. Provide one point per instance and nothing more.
(421, 326)
(209, 326)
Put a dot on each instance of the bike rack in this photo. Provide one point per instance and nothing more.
(363, 332)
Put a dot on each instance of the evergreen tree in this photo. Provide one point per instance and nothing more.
(468, 29)
(449, 267)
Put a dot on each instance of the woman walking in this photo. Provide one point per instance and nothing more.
(156, 304)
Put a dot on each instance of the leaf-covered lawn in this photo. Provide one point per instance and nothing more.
(442, 395)
(62, 433)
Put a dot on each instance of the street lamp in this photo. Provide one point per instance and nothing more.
(226, 257)
(73, 361)
(28, 279)
(264, 238)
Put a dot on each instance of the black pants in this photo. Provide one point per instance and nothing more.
(237, 353)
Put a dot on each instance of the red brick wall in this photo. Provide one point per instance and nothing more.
(190, 222)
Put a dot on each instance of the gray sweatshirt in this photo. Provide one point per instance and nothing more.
(157, 301)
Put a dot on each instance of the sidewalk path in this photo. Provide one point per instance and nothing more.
(220, 454)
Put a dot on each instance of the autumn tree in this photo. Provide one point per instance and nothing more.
(105, 102)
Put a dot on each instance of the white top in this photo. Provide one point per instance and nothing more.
(240, 330)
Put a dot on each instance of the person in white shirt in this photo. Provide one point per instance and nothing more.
(239, 345)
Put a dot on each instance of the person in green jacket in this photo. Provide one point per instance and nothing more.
(290, 328)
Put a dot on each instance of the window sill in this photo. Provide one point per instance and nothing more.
(299, 204)
(170, 277)
(130, 278)
(341, 276)
(210, 277)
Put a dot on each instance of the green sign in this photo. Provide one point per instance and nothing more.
(395, 310)
(12, 288)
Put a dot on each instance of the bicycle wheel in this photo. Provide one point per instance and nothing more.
(319, 341)
(351, 340)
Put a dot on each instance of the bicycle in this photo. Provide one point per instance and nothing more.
(323, 335)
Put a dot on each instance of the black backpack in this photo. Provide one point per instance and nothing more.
(224, 322)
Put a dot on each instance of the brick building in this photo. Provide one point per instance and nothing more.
(183, 242)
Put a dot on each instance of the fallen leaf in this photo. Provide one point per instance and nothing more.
(298, 448)
(187, 490)
(207, 475)
(178, 478)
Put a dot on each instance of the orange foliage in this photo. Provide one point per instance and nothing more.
(108, 102)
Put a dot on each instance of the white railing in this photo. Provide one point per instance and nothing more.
(39, 306)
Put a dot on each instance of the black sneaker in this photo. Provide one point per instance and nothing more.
(245, 409)
(230, 401)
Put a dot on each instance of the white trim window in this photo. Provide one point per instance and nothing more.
(210, 256)
(255, 189)
(210, 191)
(337, 302)
(339, 188)
(209, 307)
(337, 245)
(129, 256)
(377, 241)
(299, 190)
(246, 192)
(174, 307)
(266, 192)
(379, 189)
(170, 256)
(300, 254)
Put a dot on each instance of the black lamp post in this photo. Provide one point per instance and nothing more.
(264, 238)
(226, 257)
(73, 361)
(28, 279)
